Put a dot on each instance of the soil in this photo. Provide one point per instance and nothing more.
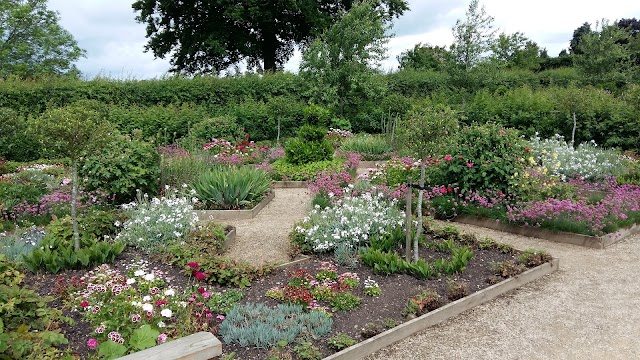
(396, 290)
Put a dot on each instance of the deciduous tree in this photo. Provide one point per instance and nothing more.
(473, 36)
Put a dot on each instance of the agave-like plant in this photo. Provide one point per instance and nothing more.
(232, 188)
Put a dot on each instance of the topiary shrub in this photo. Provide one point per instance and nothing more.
(124, 166)
(310, 146)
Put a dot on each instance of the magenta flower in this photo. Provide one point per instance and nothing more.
(92, 343)
(469, 164)
(162, 338)
(448, 158)
(220, 317)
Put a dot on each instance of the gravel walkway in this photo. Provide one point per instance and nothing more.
(588, 309)
(265, 237)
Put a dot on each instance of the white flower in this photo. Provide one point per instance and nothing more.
(136, 303)
(146, 298)
(139, 273)
(147, 307)
(131, 281)
(149, 277)
(117, 224)
(166, 313)
(169, 292)
(161, 324)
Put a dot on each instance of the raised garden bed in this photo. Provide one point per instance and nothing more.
(596, 242)
(204, 215)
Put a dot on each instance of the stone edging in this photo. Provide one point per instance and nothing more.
(229, 238)
(596, 242)
(410, 327)
(204, 215)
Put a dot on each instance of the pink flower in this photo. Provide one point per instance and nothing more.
(162, 338)
(136, 318)
(84, 304)
(220, 317)
(469, 164)
(92, 343)
(206, 294)
(193, 264)
(100, 329)
(448, 158)
(199, 275)
(66, 181)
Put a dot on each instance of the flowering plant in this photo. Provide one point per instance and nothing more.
(372, 288)
(242, 152)
(352, 220)
(154, 223)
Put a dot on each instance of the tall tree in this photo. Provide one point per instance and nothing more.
(603, 56)
(574, 45)
(516, 51)
(204, 36)
(473, 36)
(341, 63)
(32, 42)
(425, 57)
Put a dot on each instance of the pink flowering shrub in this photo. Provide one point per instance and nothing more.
(242, 151)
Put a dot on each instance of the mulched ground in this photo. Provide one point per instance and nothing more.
(371, 314)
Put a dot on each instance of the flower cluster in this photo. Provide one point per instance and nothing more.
(243, 152)
(312, 291)
(338, 135)
(371, 287)
(155, 223)
(352, 221)
(557, 157)
(173, 151)
(58, 203)
(330, 183)
(117, 305)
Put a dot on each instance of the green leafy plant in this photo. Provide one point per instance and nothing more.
(340, 341)
(282, 170)
(263, 327)
(371, 147)
(346, 255)
(310, 146)
(306, 351)
(507, 268)
(424, 302)
(345, 301)
(122, 168)
(221, 127)
(232, 188)
(532, 257)
(457, 289)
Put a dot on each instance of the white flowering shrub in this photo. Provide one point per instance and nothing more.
(558, 158)
(155, 223)
(351, 221)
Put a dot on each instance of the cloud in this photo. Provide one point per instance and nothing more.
(115, 41)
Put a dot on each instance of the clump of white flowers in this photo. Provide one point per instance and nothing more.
(561, 159)
(155, 223)
(351, 221)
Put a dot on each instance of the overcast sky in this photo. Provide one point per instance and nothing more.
(114, 41)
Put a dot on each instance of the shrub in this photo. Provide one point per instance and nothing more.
(221, 127)
(152, 225)
(310, 146)
(232, 188)
(352, 220)
(487, 157)
(587, 161)
(282, 170)
(122, 168)
(371, 147)
(16, 142)
(263, 327)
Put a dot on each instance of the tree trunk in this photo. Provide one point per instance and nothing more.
(74, 200)
(269, 48)
(408, 224)
(416, 255)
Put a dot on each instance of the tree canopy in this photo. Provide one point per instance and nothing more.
(208, 36)
(473, 36)
(32, 42)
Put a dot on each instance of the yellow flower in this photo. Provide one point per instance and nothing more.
(544, 171)
(555, 155)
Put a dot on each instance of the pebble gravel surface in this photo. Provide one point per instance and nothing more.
(588, 309)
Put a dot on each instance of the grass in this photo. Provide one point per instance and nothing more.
(371, 147)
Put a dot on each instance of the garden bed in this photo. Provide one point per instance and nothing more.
(596, 242)
(204, 215)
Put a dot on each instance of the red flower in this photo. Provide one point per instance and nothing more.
(199, 275)
(193, 265)
(447, 158)
(501, 132)
(201, 290)
(449, 189)
(161, 302)
(84, 304)
(527, 150)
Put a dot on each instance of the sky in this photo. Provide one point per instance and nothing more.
(115, 42)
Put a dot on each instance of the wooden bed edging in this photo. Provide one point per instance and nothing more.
(596, 242)
(198, 346)
(205, 215)
(431, 318)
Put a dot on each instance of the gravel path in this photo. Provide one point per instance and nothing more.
(265, 237)
(588, 309)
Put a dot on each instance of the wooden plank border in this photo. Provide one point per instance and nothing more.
(198, 346)
(595, 242)
(205, 215)
(411, 327)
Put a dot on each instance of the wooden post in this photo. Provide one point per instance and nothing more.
(408, 225)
